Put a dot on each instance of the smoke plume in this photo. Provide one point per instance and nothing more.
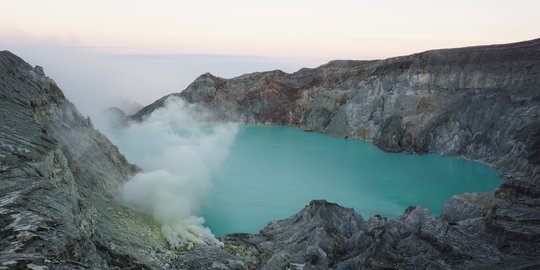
(179, 153)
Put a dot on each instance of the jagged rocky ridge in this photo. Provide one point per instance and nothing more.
(58, 176)
(58, 182)
(477, 102)
(481, 103)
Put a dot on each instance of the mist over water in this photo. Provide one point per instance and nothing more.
(179, 154)
(236, 178)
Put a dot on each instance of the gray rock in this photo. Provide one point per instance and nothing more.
(327, 236)
(58, 181)
(482, 103)
(479, 102)
(59, 175)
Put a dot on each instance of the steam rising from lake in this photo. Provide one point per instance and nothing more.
(179, 153)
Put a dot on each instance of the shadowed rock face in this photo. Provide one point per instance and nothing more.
(58, 176)
(482, 103)
(58, 179)
(478, 102)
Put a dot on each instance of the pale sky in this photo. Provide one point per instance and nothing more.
(143, 49)
(312, 29)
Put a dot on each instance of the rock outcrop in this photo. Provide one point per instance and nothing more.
(58, 182)
(479, 102)
(59, 176)
(327, 236)
(482, 103)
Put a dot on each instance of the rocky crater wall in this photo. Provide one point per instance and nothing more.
(481, 103)
(58, 182)
(58, 175)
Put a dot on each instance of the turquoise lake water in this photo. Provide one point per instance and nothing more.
(272, 172)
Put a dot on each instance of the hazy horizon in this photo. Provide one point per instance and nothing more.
(90, 78)
(146, 49)
(316, 29)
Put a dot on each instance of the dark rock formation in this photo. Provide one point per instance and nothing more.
(468, 235)
(324, 235)
(59, 176)
(58, 179)
(481, 103)
(478, 102)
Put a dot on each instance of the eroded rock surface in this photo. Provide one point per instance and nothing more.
(481, 103)
(59, 176)
(478, 102)
(58, 181)
(327, 236)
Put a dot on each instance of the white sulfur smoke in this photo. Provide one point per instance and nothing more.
(179, 154)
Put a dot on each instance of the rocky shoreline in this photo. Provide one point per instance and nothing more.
(480, 103)
(59, 175)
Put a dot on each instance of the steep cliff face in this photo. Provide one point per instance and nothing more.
(481, 103)
(59, 176)
(478, 102)
(58, 181)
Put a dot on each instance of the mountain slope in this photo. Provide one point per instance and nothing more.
(478, 102)
(481, 103)
(58, 180)
(58, 175)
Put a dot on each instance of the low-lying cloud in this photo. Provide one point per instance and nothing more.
(179, 153)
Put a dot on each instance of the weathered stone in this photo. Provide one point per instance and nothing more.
(481, 103)
(59, 175)
(58, 178)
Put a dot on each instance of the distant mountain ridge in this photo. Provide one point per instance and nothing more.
(58, 175)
